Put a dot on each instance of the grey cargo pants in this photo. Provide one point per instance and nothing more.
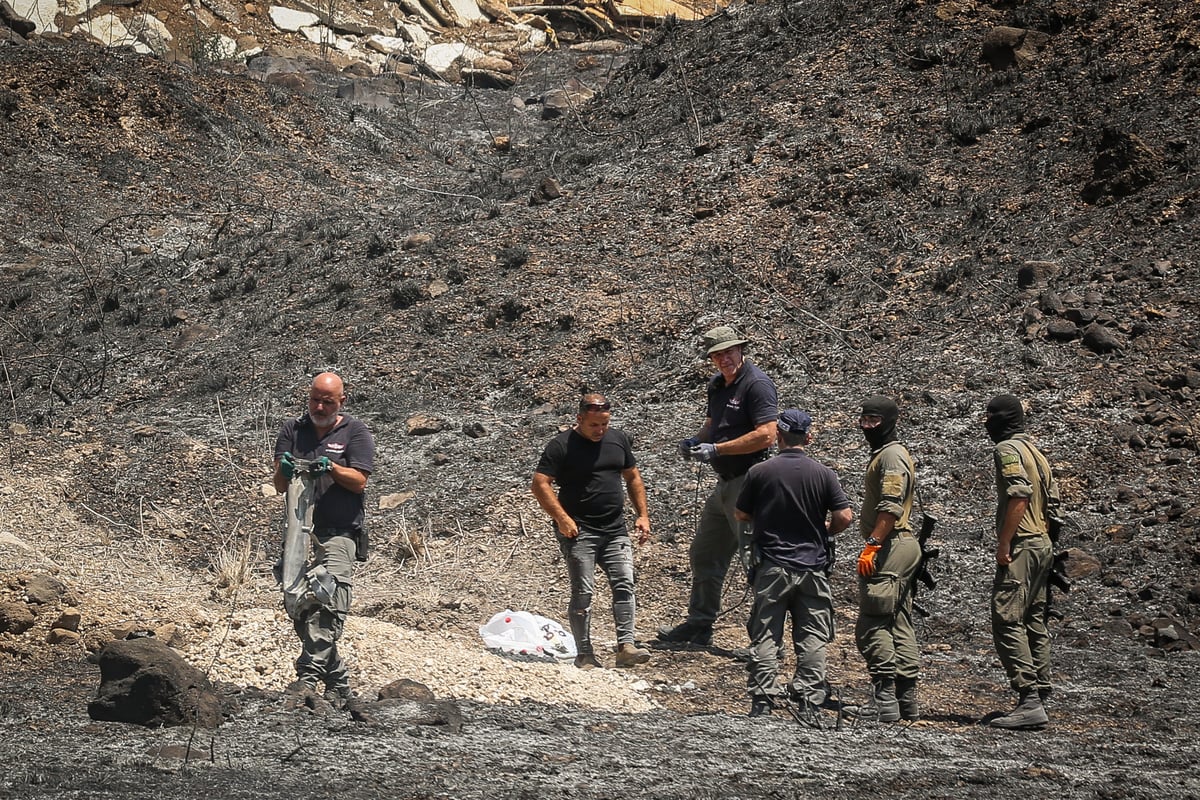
(320, 628)
(779, 591)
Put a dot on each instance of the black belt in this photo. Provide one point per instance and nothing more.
(351, 532)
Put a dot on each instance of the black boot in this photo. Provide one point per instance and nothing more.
(883, 706)
(687, 633)
(760, 706)
(906, 697)
(883, 691)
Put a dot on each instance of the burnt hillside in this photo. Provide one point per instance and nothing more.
(940, 201)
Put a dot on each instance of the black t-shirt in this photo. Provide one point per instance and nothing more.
(588, 474)
(789, 497)
(349, 444)
(735, 410)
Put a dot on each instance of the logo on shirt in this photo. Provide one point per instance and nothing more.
(336, 448)
(734, 403)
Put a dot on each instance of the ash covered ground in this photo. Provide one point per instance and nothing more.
(879, 205)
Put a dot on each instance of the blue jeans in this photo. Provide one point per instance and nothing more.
(614, 554)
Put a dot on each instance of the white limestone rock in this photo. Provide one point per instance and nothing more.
(152, 32)
(468, 12)
(414, 33)
(74, 8)
(441, 58)
(319, 34)
(110, 31)
(40, 12)
(387, 44)
(291, 20)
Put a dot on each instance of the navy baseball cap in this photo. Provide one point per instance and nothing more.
(793, 420)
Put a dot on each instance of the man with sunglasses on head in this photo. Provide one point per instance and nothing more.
(887, 567)
(738, 431)
(338, 453)
(594, 467)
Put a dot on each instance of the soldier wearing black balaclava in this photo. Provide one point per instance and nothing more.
(887, 566)
(1024, 558)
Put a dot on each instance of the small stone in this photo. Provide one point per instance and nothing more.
(416, 240)
(44, 590)
(1100, 339)
(1061, 330)
(395, 500)
(1050, 303)
(1179, 436)
(68, 620)
(60, 636)
(169, 634)
(1081, 316)
(424, 424)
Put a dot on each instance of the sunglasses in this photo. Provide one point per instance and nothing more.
(595, 406)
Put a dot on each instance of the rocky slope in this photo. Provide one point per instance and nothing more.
(940, 201)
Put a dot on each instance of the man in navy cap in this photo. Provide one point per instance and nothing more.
(796, 506)
(738, 430)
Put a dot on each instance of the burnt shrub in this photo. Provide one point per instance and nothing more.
(967, 126)
(406, 294)
(513, 256)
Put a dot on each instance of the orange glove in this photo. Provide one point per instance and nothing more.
(866, 560)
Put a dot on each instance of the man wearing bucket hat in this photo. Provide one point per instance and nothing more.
(738, 430)
(797, 506)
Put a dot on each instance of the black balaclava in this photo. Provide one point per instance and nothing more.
(885, 432)
(1005, 418)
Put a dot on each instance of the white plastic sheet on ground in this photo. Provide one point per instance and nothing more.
(522, 633)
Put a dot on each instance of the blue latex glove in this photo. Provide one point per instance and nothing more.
(287, 465)
(705, 451)
(685, 447)
(320, 466)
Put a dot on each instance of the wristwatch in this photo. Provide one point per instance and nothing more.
(872, 541)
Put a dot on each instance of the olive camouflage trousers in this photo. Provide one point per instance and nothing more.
(1019, 614)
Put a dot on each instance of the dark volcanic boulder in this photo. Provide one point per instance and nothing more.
(147, 683)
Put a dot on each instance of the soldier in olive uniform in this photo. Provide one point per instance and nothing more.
(1024, 558)
(887, 567)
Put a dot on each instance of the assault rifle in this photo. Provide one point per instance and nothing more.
(928, 554)
(1057, 580)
